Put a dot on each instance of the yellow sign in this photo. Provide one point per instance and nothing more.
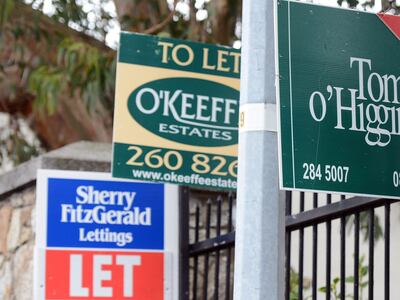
(176, 112)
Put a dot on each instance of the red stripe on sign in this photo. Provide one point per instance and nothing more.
(392, 22)
(103, 275)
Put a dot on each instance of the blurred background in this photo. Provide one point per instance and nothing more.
(57, 61)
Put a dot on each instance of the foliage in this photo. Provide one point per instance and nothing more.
(87, 70)
(335, 284)
(17, 145)
(364, 226)
(294, 285)
(86, 16)
(335, 294)
(387, 5)
(6, 7)
(79, 67)
(351, 3)
(46, 82)
(18, 148)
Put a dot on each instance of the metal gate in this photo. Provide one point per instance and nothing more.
(208, 237)
(333, 247)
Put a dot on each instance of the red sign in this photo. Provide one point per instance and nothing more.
(99, 275)
(392, 22)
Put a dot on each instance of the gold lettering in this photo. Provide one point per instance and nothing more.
(222, 60)
(165, 46)
(205, 60)
(189, 52)
(236, 61)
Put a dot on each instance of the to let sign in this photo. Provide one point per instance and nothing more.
(339, 100)
(102, 238)
(176, 112)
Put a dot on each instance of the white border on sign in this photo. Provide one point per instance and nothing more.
(278, 99)
(171, 241)
(39, 273)
(171, 230)
(278, 94)
(291, 94)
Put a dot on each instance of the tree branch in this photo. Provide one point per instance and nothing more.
(26, 14)
(160, 26)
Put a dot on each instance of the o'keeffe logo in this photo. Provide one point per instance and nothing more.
(188, 110)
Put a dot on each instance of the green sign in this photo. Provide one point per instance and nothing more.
(339, 89)
(176, 112)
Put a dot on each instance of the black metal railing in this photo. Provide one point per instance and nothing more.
(331, 247)
(211, 244)
(352, 217)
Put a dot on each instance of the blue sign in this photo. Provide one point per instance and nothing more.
(105, 214)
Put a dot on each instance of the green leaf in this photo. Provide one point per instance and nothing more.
(363, 271)
(6, 8)
(336, 280)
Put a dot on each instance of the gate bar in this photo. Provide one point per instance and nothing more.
(333, 211)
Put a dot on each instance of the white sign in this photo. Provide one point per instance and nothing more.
(98, 237)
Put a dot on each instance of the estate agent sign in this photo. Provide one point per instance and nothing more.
(101, 238)
(339, 99)
(176, 112)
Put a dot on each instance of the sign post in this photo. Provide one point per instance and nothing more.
(176, 112)
(259, 249)
(339, 100)
(100, 238)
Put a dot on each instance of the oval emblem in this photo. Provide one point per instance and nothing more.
(188, 110)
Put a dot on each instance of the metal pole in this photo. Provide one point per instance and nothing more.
(259, 256)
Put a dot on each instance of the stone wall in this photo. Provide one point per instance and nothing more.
(17, 214)
(17, 211)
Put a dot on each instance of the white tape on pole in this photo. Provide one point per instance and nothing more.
(258, 117)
